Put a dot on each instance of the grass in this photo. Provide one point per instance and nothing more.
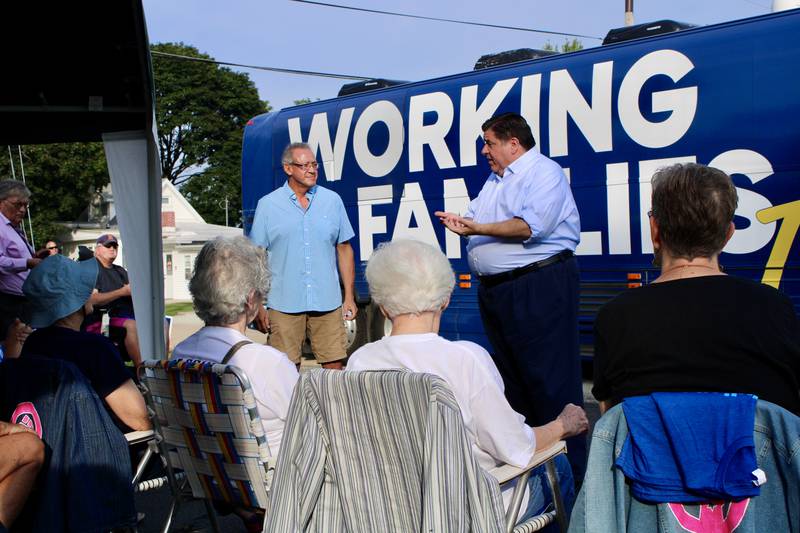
(177, 308)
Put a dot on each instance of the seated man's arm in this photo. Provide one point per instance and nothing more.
(572, 421)
(104, 298)
(128, 404)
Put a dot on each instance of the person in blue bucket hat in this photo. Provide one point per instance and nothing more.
(59, 295)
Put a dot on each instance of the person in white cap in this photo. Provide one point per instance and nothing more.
(113, 294)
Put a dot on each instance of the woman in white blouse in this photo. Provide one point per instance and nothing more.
(411, 282)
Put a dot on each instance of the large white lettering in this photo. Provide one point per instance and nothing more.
(319, 137)
(529, 102)
(594, 120)
(369, 224)
(433, 134)
(379, 165)
(456, 200)
(646, 171)
(754, 167)
(682, 103)
(413, 204)
(619, 206)
(474, 115)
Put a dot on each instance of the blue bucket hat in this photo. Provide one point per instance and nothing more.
(58, 287)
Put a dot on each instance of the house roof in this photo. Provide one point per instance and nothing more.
(198, 233)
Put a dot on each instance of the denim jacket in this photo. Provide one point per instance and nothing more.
(604, 504)
(85, 483)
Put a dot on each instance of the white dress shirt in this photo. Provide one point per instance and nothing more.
(497, 432)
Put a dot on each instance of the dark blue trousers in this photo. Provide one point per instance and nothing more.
(532, 323)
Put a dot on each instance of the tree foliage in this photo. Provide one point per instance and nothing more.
(200, 108)
(570, 45)
(62, 179)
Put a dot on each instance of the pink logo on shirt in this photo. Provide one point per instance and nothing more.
(712, 518)
(26, 415)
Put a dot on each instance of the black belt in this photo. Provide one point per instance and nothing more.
(495, 279)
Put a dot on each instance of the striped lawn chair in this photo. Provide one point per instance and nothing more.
(388, 451)
(210, 432)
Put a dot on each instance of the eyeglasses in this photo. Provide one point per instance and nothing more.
(306, 166)
(52, 247)
(110, 245)
(19, 205)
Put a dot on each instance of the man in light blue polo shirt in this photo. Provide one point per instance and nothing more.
(306, 231)
(522, 232)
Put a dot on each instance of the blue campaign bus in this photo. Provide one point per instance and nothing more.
(726, 95)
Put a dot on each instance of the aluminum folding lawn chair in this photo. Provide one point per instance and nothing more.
(209, 431)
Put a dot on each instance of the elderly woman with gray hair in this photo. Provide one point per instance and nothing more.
(411, 282)
(230, 282)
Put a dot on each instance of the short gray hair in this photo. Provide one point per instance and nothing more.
(226, 271)
(407, 276)
(286, 156)
(693, 206)
(10, 188)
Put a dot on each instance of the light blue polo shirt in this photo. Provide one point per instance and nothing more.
(302, 248)
(534, 189)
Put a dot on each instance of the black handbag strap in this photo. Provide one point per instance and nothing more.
(233, 350)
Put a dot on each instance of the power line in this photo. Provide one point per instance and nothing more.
(469, 23)
(256, 67)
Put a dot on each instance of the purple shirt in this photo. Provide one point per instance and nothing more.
(14, 255)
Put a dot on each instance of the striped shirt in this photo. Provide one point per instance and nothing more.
(379, 451)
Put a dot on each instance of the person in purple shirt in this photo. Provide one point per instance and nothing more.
(17, 257)
(522, 231)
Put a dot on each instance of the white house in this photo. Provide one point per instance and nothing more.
(184, 232)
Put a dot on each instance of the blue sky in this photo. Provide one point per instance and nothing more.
(282, 33)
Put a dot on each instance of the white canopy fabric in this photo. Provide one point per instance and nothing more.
(135, 170)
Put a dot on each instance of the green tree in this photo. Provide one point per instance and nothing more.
(570, 45)
(199, 106)
(303, 101)
(201, 111)
(221, 181)
(62, 179)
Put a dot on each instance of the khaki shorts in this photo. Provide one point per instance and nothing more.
(324, 329)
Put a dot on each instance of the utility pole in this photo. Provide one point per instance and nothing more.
(629, 12)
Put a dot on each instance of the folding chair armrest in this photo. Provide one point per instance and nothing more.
(506, 473)
(135, 437)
